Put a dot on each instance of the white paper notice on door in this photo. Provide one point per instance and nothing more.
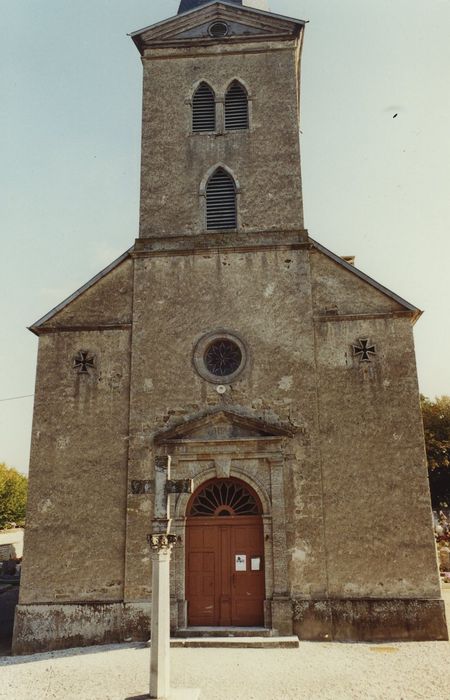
(255, 564)
(241, 562)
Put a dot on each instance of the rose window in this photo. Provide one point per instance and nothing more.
(223, 357)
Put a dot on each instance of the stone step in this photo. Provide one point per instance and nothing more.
(224, 632)
(247, 642)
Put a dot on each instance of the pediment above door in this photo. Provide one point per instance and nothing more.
(226, 425)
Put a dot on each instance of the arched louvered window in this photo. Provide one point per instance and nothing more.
(204, 109)
(221, 210)
(236, 107)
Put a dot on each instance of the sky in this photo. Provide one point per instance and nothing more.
(375, 186)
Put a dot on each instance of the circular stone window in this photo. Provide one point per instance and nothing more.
(220, 357)
(218, 29)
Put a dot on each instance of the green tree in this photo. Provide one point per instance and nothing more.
(13, 496)
(436, 423)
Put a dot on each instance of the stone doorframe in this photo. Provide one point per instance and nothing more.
(259, 462)
(274, 521)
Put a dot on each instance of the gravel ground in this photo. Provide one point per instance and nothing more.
(327, 671)
(315, 670)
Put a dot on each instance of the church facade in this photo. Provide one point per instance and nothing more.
(275, 374)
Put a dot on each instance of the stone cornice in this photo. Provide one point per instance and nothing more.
(81, 328)
(164, 51)
(236, 242)
(325, 318)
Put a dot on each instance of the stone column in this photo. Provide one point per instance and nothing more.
(220, 115)
(161, 547)
(161, 543)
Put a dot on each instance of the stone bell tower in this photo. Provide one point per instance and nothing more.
(261, 53)
(221, 209)
(277, 376)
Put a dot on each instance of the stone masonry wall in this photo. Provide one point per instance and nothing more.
(75, 535)
(108, 301)
(264, 296)
(378, 531)
(264, 159)
(377, 506)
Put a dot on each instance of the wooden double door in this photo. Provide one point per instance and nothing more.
(225, 571)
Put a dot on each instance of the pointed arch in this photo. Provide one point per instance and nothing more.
(204, 108)
(236, 107)
(212, 170)
(221, 200)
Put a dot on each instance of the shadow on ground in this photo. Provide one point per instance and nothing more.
(65, 653)
(8, 602)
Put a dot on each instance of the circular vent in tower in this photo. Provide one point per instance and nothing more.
(218, 29)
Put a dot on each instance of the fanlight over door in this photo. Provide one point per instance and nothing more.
(224, 497)
(225, 556)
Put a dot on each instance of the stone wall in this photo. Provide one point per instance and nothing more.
(42, 628)
(376, 498)
(196, 295)
(266, 154)
(377, 505)
(75, 535)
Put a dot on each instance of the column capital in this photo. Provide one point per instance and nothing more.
(277, 461)
(162, 462)
(161, 543)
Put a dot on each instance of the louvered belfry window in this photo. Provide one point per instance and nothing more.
(203, 109)
(221, 210)
(236, 107)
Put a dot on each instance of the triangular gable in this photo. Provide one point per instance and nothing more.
(200, 31)
(223, 424)
(246, 22)
(38, 326)
(187, 5)
(398, 301)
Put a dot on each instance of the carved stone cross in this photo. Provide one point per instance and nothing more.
(161, 543)
(83, 363)
(363, 350)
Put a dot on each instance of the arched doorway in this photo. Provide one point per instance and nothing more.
(225, 556)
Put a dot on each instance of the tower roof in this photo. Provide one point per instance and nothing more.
(186, 5)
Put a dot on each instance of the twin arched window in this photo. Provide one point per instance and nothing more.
(221, 200)
(204, 108)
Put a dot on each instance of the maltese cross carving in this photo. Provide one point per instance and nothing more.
(82, 362)
(364, 350)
